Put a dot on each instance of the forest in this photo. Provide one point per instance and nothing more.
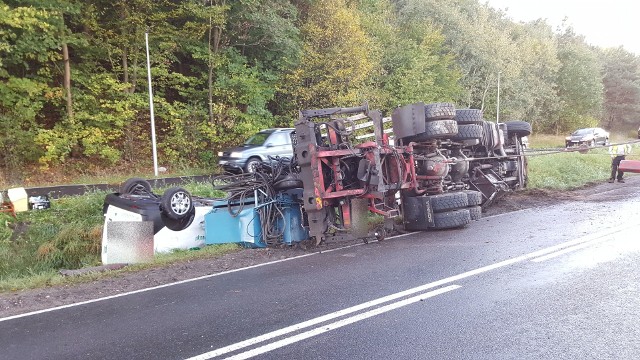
(74, 92)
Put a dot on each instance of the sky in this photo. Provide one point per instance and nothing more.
(604, 23)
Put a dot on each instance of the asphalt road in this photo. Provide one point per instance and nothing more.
(560, 282)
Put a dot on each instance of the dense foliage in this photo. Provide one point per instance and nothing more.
(74, 77)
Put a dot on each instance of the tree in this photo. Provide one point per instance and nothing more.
(621, 73)
(580, 88)
(412, 63)
(335, 66)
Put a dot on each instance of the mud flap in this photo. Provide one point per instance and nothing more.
(417, 213)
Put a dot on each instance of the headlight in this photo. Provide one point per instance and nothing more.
(568, 138)
(236, 155)
(220, 153)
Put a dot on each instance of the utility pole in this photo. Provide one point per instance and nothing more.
(498, 102)
(153, 125)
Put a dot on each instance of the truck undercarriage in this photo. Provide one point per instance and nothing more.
(441, 168)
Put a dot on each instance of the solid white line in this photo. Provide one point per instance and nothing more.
(368, 304)
(152, 288)
(189, 280)
(319, 252)
(571, 249)
(598, 238)
(332, 326)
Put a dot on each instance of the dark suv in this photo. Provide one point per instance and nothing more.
(257, 149)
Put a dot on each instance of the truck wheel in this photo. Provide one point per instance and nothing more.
(451, 219)
(469, 116)
(435, 130)
(252, 165)
(474, 197)
(176, 203)
(448, 201)
(439, 111)
(520, 128)
(135, 185)
(475, 212)
(469, 132)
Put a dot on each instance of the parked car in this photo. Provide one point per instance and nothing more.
(257, 149)
(588, 136)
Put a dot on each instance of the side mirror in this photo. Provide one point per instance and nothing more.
(269, 145)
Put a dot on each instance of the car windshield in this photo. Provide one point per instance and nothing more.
(258, 139)
(583, 132)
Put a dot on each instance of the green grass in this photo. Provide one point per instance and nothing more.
(569, 170)
(564, 171)
(36, 245)
(51, 277)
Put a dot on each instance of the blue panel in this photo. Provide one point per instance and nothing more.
(291, 223)
(241, 226)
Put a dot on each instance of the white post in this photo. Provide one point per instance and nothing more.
(153, 124)
(498, 102)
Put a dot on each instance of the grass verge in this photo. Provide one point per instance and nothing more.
(37, 244)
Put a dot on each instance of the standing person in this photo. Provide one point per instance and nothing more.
(618, 153)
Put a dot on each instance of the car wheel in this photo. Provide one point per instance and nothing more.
(178, 225)
(252, 165)
(135, 185)
(176, 203)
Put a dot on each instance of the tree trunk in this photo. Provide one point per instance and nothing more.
(125, 67)
(67, 79)
(215, 34)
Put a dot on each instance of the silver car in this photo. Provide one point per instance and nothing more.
(257, 149)
(588, 136)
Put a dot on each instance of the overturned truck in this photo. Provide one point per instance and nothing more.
(441, 167)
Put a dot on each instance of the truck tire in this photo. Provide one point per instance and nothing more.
(451, 219)
(520, 128)
(473, 197)
(439, 111)
(475, 212)
(469, 116)
(135, 185)
(448, 201)
(469, 132)
(176, 203)
(435, 130)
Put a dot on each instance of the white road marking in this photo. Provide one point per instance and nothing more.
(186, 281)
(571, 249)
(589, 240)
(202, 278)
(338, 324)
(333, 315)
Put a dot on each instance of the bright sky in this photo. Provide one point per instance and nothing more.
(604, 23)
